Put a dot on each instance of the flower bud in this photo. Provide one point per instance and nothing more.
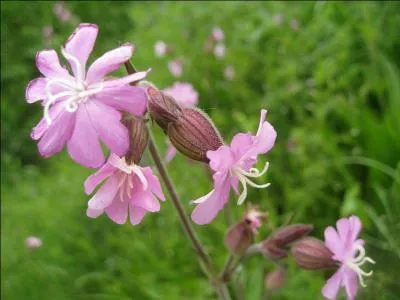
(312, 254)
(271, 250)
(138, 138)
(288, 234)
(163, 109)
(254, 218)
(239, 237)
(275, 279)
(193, 134)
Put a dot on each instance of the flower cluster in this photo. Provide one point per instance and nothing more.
(84, 107)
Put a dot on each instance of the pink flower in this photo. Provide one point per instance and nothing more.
(183, 93)
(61, 12)
(175, 67)
(294, 24)
(33, 242)
(219, 51)
(217, 34)
(229, 73)
(83, 108)
(186, 96)
(278, 19)
(160, 48)
(127, 188)
(350, 253)
(231, 165)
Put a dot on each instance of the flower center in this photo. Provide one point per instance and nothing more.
(355, 264)
(74, 92)
(244, 176)
(125, 181)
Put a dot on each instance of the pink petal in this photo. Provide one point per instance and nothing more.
(154, 183)
(351, 284)
(118, 210)
(94, 213)
(127, 98)
(106, 121)
(109, 62)
(145, 200)
(343, 227)
(136, 214)
(48, 64)
(84, 146)
(36, 90)
(105, 195)
(355, 227)
(95, 179)
(57, 134)
(171, 152)
(265, 140)
(206, 211)
(80, 44)
(221, 159)
(42, 126)
(331, 288)
(241, 143)
(334, 243)
(183, 93)
(116, 83)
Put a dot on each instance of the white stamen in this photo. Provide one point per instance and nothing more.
(243, 177)
(51, 101)
(356, 263)
(80, 71)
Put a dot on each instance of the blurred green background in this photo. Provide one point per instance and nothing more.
(327, 72)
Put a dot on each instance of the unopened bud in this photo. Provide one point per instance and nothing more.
(163, 109)
(193, 134)
(312, 254)
(271, 250)
(239, 237)
(275, 279)
(138, 138)
(254, 218)
(288, 234)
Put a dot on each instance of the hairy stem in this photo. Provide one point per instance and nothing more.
(205, 260)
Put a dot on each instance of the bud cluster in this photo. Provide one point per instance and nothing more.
(190, 130)
(275, 247)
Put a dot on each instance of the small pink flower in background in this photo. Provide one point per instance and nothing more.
(33, 242)
(294, 24)
(128, 189)
(349, 251)
(183, 93)
(82, 109)
(278, 19)
(47, 31)
(186, 96)
(61, 12)
(175, 67)
(219, 51)
(217, 34)
(160, 48)
(229, 73)
(233, 165)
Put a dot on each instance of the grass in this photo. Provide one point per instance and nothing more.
(331, 87)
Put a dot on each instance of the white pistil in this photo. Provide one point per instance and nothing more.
(243, 177)
(356, 263)
(77, 90)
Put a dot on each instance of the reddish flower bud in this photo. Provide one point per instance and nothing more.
(239, 237)
(275, 279)
(254, 217)
(163, 109)
(288, 234)
(271, 250)
(193, 134)
(312, 254)
(138, 138)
